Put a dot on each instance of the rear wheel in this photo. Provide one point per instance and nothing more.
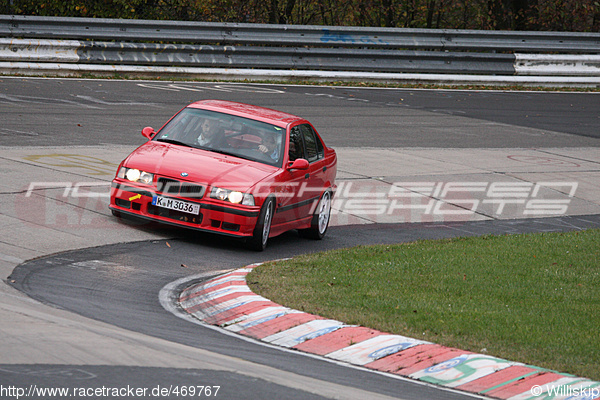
(260, 236)
(320, 220)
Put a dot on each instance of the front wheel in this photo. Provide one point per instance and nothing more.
(320, 220)
(260, 236)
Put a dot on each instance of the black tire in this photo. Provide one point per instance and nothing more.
(260, 236)
(116, 213)
(320, 220)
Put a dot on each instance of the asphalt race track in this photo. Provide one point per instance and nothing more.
(80, 112)
(92, 318)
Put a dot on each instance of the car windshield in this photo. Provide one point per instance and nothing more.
(226, 134)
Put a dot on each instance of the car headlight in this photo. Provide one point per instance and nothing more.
(135, 175)
(232, 196)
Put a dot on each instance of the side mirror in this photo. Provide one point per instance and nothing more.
(148, 132)
(299, 163)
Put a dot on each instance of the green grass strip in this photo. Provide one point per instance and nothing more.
(531, 298)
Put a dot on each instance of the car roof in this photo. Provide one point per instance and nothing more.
(250, 111)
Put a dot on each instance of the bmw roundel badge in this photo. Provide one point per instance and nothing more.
(184, 174)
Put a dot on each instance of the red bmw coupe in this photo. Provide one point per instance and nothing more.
(233, 169)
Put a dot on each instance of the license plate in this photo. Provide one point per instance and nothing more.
(178, 205)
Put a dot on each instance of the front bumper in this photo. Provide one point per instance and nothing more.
(214, 216)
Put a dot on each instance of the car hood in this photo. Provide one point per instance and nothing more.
(201, 166)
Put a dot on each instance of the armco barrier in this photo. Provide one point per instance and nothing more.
(294, 58)
(186, 48)
(296, 35)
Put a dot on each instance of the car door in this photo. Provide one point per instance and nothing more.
(303, 187)
(315, 181)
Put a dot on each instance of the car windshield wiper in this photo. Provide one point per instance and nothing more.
(228, 153)
(173, 141)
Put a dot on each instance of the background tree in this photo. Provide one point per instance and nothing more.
(555, 15)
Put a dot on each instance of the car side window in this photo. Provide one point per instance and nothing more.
(313, 146)
(296, 146)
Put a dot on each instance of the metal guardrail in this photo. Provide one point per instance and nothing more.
(294, 58)
(87, 41)
(19, 26)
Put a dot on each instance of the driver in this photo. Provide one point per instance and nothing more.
(269, 146)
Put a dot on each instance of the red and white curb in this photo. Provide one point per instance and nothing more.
(227, 302)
